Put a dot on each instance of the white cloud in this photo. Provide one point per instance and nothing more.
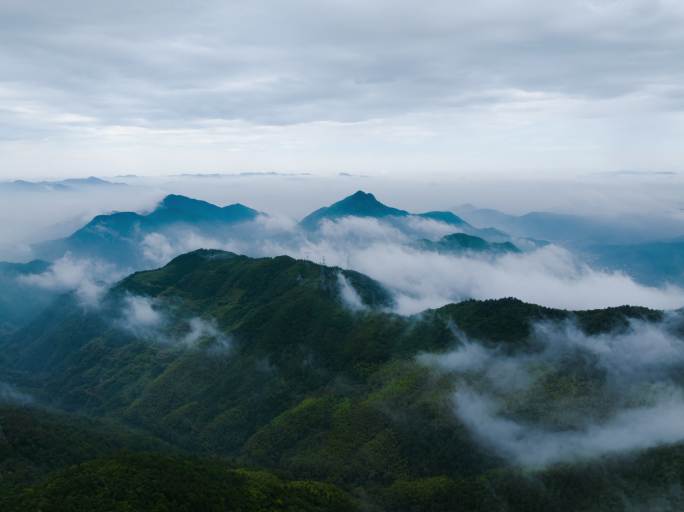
(152, 320)
(9, 394)
(632, 400)
(550, 276)
(632, 429)
(88, 278)
(157, 249)
(141, 314)
(206, 330)
(350, 297)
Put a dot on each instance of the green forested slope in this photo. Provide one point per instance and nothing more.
(299, 384)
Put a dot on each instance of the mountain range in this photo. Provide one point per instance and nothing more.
(575, 231)
(653, 263)
(615, 245)
(123, 240)
(118, 237)
(73, 184)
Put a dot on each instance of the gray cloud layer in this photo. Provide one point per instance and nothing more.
(289, 77)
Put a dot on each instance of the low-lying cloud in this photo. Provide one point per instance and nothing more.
(89, 279)
(575, 396)
(152, 320)
(421, 279)
(350, 297)
(629, 430)
(11, 395)
(141, 315)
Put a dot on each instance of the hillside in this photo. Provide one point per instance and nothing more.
(51, 461)
(265, 362)
(171, 484)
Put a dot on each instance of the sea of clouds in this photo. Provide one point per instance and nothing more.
(386, 251)
(551, 275)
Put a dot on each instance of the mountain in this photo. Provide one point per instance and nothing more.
(365, 205)
(624, 245)
(180, 209)
(462, 243)
(575, 231)
(141, 482)
(652, 263)
(118, 237)
(359, 204)
(262, 361)
(445, 217)
(91, 181)
(554, 227)
(67, 185)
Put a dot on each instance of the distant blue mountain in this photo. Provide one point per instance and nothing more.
(459, 243)
(116, 237)
(618, 245)
(364, 204)
(446, 217)
(554, 227)
(175, 208)
(652, 263)
(359, 204)
(61, 185)
(570, 230)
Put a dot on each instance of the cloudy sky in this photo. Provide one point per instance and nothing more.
(388, 87)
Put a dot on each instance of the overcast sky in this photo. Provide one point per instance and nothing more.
(393, 88)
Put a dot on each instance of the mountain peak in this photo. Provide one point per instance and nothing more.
(359, 204)
(179, 201)
(177, 208)
(361, 195)
(117, 236)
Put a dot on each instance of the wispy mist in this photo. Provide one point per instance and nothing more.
(154, 321)
(88, 278)
(575, 396)
(421, 279)
(10, 395)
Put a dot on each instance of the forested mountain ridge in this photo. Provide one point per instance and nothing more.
(305, 370)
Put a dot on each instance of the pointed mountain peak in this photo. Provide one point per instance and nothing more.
(359, 204)
(360, 199)
(360, 195)
(177, 201)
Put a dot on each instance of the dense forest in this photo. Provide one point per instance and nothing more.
(222, 382)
